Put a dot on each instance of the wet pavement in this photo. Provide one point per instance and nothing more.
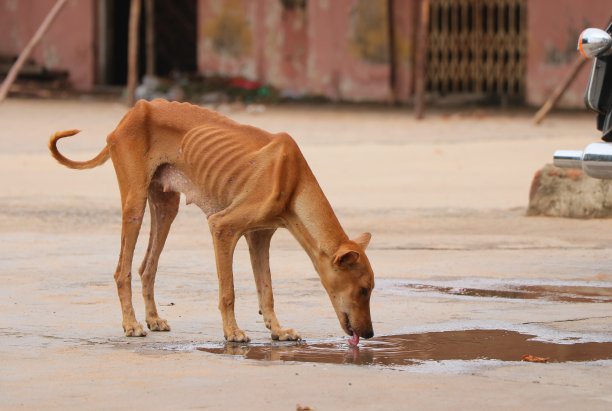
(413, 349)
(466, 285)
(547, 292)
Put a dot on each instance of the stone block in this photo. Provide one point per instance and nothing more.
(558, 192)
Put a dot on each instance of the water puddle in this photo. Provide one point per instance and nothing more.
(562, 293)
(412, 349)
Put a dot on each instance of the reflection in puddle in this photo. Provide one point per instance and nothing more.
(563, 293)
(410, 349)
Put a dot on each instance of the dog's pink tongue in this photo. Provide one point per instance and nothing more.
(354, 340)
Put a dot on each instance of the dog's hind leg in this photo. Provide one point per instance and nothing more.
(164, 207)
(133, 184)
(259, 249)
(132, 211)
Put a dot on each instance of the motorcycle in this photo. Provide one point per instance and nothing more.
(596, 159)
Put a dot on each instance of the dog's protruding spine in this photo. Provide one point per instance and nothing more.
(79, 165)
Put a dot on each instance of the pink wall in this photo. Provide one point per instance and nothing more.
(406, 14)
(347, 58)
(552, 35)
(266, 43)
(330, 48)
(348, 49)
(334, 48)
(288, 69)
(69, 43)
(226, 38)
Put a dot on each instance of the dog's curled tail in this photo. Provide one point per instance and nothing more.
(79, 165)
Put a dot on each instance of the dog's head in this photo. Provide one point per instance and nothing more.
(349, 280)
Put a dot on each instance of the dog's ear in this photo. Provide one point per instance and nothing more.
(363, 240)
(345, 256)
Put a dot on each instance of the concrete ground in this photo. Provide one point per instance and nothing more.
(444, 199)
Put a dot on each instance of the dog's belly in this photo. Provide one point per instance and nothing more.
(174, 180)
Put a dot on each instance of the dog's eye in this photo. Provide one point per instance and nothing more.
(365, 291)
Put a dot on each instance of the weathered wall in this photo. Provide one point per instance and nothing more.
(406, 15)
(335, 48)
(348, 43)
(349, 56)
(553, 29)
(226, 37)
(69, 43)
(287, 64)
(338, 49)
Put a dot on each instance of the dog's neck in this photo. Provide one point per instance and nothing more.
(315, 225)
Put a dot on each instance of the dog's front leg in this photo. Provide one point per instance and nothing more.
(259, 249)
(225, 237)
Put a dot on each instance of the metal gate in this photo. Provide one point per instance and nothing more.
(477, 47)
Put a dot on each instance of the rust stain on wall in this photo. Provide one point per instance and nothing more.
(230, 32)
(403, 49)
(369, 33)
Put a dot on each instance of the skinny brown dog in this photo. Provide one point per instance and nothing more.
(248, 182)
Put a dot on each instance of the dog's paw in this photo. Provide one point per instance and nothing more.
(134, 330)
(285, 334)
(236, 336)
(158, 324)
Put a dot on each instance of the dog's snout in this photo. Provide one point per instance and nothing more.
(368, 334)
